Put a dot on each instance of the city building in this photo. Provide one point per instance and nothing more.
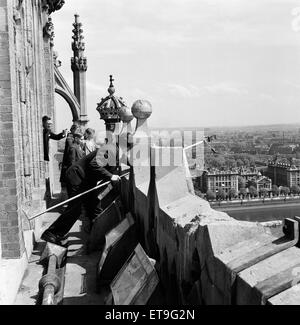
(217, 180)
(262, 149)
(220, 180)
(282, 149)
(249, 174)
(284, 174)
(264, 183)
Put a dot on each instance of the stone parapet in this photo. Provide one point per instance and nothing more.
(205, 256)
(196, 246)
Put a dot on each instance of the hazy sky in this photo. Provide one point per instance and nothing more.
(199, 62)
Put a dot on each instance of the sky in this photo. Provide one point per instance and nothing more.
(201, 63)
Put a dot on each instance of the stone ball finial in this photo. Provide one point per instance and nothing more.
(141, 109)
(125, 115)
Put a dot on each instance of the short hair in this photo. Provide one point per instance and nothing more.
(78, 130)
(46, 119)
(74, 128)
(78, 134)
(90, 131)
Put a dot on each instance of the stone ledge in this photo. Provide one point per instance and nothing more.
(189, 231)
(11, 274)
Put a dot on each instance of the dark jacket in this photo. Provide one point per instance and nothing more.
(47, 135)
(89, 170)
(65, 165)
(75, 154)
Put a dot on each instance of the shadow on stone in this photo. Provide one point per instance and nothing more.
(120, 243)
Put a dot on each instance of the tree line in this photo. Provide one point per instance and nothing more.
(251, 192)
(229, 161)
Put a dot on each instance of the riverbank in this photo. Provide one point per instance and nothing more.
(254, 203)
(262, 212)
(270, 213)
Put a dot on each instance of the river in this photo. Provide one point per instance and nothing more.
(263, 213)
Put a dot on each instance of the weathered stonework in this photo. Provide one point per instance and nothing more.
(26, 95)
(206, 257)
(79, 68)
(49, 31)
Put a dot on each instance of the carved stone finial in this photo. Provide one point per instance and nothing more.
(49, 31)
(79, 61)
(126, 115)
(111, 89)
(111, 79)
(57, 62)
(110, 107)
(141, 110)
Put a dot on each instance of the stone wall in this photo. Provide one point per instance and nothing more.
(26, 95)
(205, 257)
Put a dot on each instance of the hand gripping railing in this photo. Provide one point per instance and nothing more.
(73, 198)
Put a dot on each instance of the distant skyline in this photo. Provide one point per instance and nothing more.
(201, 63)
(291, 125)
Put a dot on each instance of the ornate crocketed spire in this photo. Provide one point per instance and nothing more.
(79, 61)
(110, 107)
(79, 68)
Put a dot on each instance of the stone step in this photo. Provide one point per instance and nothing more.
(80, 277)
(29, 289)
(80, 282)
(244, 247)
(253, 282)
(289, 297)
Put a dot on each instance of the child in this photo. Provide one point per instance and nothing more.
(89, 145)
(76, 152)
